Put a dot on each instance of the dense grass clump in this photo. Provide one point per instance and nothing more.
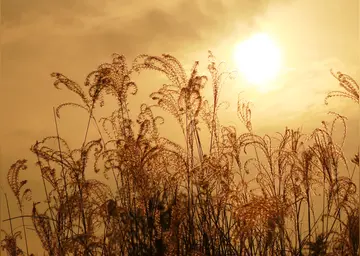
(172, 199)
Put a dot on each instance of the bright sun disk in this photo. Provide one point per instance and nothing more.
(258, 59)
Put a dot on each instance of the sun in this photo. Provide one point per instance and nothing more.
(258, 59)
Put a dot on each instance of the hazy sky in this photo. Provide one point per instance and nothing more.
(73, 37)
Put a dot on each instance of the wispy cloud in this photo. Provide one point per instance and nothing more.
(177, 21)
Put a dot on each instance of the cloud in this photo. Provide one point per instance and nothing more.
(18, 12)
(141, 22)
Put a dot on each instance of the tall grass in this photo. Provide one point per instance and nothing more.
(172, 199)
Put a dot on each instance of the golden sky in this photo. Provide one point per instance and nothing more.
(74, 37)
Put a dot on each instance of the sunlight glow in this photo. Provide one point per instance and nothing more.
(258, 59)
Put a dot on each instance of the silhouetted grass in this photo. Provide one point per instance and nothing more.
(172, 199)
